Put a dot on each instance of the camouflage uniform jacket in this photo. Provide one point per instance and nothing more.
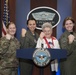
(64, 43)
(8, 52)
(68, 65)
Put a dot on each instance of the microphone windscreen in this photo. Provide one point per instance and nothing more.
(71, 33)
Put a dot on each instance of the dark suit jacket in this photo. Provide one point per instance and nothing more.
(29, 41)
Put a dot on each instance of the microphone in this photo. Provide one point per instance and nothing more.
(42, 45)
(71, 33)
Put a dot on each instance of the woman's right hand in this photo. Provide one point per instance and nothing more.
(23, 32)
(42, 35)
(8, 36)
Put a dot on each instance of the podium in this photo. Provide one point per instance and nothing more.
(28, 54)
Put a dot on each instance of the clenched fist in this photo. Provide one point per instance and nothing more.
(71, 38)
(23, 32)
(8, 36)
(42, 35)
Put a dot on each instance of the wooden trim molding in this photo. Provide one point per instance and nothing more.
(49, 3)
(73, 11)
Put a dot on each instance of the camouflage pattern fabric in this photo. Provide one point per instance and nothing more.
(8, 60)
(68, 65)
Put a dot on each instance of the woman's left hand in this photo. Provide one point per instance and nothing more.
(71, 38)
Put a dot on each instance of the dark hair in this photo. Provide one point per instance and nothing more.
(69, 18)
(7, 26)
(30, 19)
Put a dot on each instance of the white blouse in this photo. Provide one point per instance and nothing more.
(54, 45)
(42, 41)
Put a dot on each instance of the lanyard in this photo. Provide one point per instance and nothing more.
(48, 43)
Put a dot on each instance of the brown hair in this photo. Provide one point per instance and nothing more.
(69, 18)
(7, 26)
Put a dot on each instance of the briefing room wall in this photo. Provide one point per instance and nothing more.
(22, 9)
(64, 7)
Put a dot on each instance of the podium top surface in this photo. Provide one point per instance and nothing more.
(28, 53)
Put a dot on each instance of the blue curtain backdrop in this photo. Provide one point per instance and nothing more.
(18, 70)
(58, 73)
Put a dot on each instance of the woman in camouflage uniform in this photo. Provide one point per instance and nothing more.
(8, 46)
(68, 42)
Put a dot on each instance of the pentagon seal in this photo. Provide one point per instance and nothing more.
(41, 57)
(44, 14)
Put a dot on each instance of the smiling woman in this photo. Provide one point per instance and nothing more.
(8, 46)
(68, 41)
(28, 41)
(49, 41)
(11, 29)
